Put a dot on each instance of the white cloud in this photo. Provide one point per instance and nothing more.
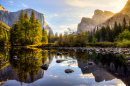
(24, 5)
(11, 2)
(80, 3)
(112, 5)
(72, 26)
(54, 15)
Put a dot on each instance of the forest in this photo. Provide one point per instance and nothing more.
(27, 31)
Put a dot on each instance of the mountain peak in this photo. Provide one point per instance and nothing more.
(1, 8)
(126, 9)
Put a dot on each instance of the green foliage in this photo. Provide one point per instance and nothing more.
(124, 35)
(26, 32)
(124, 39)
(44, 36)
(49, 37)
(124, 43)
(94, 42)
(3, 35)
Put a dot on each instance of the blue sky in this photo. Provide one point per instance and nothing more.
(63, 14)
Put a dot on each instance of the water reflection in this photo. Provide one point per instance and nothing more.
(97, 69)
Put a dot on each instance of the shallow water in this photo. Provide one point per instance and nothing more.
(106, 70)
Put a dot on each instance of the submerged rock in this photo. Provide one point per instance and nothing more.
(60, 60)
(69, 71)
(65, 53)
(90, 53)
(59, 53)
(90, 63)
(15, 58)
(45, 66)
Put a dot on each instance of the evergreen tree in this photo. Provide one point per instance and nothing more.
(44, 36)
(103, 33)
(21, 17)
(124, 24)
(32, 18)
(49, 37)
(26, 15)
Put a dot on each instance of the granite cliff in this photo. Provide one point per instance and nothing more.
(105, 18)
(88, 24)
(118, 17)
(9, 17)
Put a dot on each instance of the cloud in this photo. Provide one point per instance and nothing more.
(72, 26)
(79, 3)
(24, 5)
(11, 2)
(113, 5)
(54, 15)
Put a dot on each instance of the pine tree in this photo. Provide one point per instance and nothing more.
(124, 24)
(49, 37)
(32, 18)
(44, 36)
(21, 17)
(26, 15)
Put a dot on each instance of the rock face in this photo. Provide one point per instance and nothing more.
(105, 18)
(9, 17)
(118, 17)
(126, 9)
(1, 8)
(99, 16)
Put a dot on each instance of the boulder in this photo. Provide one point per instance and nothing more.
(45, 66)
(127, 57)
(69, 71)
(90, 63)
(60, 60)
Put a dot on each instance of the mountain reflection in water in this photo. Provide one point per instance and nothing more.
(89, 70)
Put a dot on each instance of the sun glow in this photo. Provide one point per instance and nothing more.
(121, 85)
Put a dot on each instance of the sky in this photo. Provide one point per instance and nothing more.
(63, 14)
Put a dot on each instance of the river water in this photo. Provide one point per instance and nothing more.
(90, 69)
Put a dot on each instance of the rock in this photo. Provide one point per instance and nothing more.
(59, 53)
(64, 53)
(15, 58)
(59, 61)
(88, 24)
(45, 66)
(90, 63)
(69, 71)
(103, 53)
(127, 57)
(90, 53)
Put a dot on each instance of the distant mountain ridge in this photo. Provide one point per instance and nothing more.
(109, 19)
(9, 17)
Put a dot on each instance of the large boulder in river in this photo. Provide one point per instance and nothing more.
(45, 66)
(69, 71)
(60, 60)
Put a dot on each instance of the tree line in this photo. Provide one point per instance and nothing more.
(105, 34)
(28, 31)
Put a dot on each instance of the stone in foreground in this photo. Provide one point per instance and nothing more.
(69, 71)
(60, 60)
(45, 66)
